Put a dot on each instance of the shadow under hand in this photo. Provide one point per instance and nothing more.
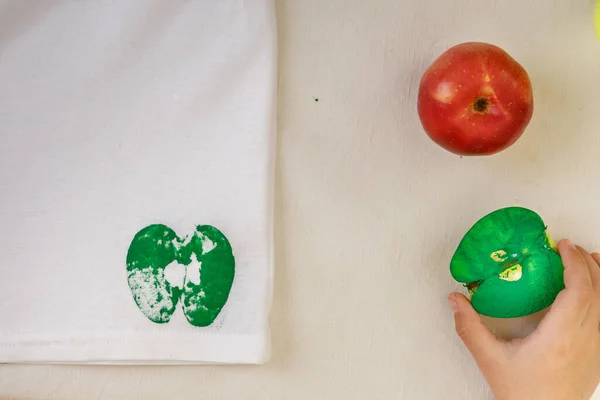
(514, 328)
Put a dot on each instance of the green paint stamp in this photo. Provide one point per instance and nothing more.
(163, 269)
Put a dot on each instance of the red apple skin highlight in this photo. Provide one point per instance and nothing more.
(475, 100)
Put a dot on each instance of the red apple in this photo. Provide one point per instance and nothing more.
(475, 99)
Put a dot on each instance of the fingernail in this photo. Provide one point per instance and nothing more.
(453, 304)
(570, 244)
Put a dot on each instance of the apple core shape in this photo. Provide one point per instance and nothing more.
(475, 100)
(163, 269)
(509, 264)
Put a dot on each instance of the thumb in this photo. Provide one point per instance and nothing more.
(480, 341)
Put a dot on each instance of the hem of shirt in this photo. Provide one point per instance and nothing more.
(139, 349)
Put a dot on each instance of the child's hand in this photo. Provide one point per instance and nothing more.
(560, 360)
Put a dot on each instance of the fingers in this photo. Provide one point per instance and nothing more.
(571, 306)
(593, 318)
(577, 273)
(593, 267)
(596, 257)
(485, 347)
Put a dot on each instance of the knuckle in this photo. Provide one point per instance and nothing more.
(585, 295)
(462, 330)
(562, 349)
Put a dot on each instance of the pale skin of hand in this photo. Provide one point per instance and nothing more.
(560, 360)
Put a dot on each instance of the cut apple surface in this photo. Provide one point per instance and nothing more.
(509, 264)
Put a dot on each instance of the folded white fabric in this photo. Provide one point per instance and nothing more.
(136, 173)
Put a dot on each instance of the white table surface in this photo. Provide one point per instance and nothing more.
(369, 210)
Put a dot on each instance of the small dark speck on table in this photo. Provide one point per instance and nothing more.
(316, 99)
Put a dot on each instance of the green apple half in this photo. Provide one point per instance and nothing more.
(509, 264)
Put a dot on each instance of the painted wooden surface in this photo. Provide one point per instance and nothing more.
(369, 210)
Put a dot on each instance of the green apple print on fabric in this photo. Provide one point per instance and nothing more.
(163, 269)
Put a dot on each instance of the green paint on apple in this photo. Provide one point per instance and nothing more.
(163, 268)
(509, 263)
